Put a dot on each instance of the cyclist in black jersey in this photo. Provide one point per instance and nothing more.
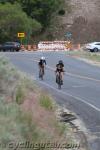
(60, 69)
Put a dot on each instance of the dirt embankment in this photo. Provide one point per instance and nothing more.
(81, 18)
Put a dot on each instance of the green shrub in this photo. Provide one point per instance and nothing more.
(61, 12)
(46, 102)
(20, 94)
(61, 127)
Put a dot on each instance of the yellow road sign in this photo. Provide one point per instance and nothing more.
(21, 34)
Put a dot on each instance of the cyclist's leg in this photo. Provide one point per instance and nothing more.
(43, 70)
(61, 75)
(40, 69)
(57, 76)
(59, 80)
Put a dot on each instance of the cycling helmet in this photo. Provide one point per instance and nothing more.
(60, 62)
(42, 58)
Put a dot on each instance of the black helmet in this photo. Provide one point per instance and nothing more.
(60, 62)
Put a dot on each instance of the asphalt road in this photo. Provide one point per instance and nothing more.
(80, 92)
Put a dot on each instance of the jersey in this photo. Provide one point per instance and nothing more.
(42, 63)
(59, 67)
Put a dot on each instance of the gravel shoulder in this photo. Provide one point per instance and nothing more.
(88, 57)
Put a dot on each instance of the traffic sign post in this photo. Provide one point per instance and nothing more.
(21, 35)
(28, 37)
(68, 35)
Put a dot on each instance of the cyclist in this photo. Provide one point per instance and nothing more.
(60, 68)
(42, 64)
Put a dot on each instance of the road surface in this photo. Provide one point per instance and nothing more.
(80, 92)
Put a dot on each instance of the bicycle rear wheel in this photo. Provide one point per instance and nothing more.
(58, 81)
(59, 86)
(41, 74)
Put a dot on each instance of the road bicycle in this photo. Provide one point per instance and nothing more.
(59, 80)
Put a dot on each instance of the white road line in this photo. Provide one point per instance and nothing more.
(78, 86)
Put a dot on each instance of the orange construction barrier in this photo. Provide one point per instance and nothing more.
(76, 47)
(68, 45)
(29, 47)
(22, 47)
(79, 46)
(33, 47)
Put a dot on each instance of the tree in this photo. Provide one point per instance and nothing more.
(41, 10)
(14, 20)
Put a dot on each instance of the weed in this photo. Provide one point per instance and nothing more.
(20, 94)
(61, 127)
(46, 102)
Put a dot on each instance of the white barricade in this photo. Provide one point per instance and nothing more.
(52, 45)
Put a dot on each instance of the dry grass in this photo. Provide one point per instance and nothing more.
(26, 114)
(44, 116)
(46, 102)
(85, 54)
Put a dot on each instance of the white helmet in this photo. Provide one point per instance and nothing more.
(42, 58)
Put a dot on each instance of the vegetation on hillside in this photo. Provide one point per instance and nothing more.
(26, 114)
(31, 17)
(49, 20)
(14, 20)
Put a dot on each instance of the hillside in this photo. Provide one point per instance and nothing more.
(81, 18)
(50, 20)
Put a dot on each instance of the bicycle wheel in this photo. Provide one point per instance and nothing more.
(41, 74)
(58, 81)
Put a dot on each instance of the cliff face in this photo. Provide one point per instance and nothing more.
(83, 21)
